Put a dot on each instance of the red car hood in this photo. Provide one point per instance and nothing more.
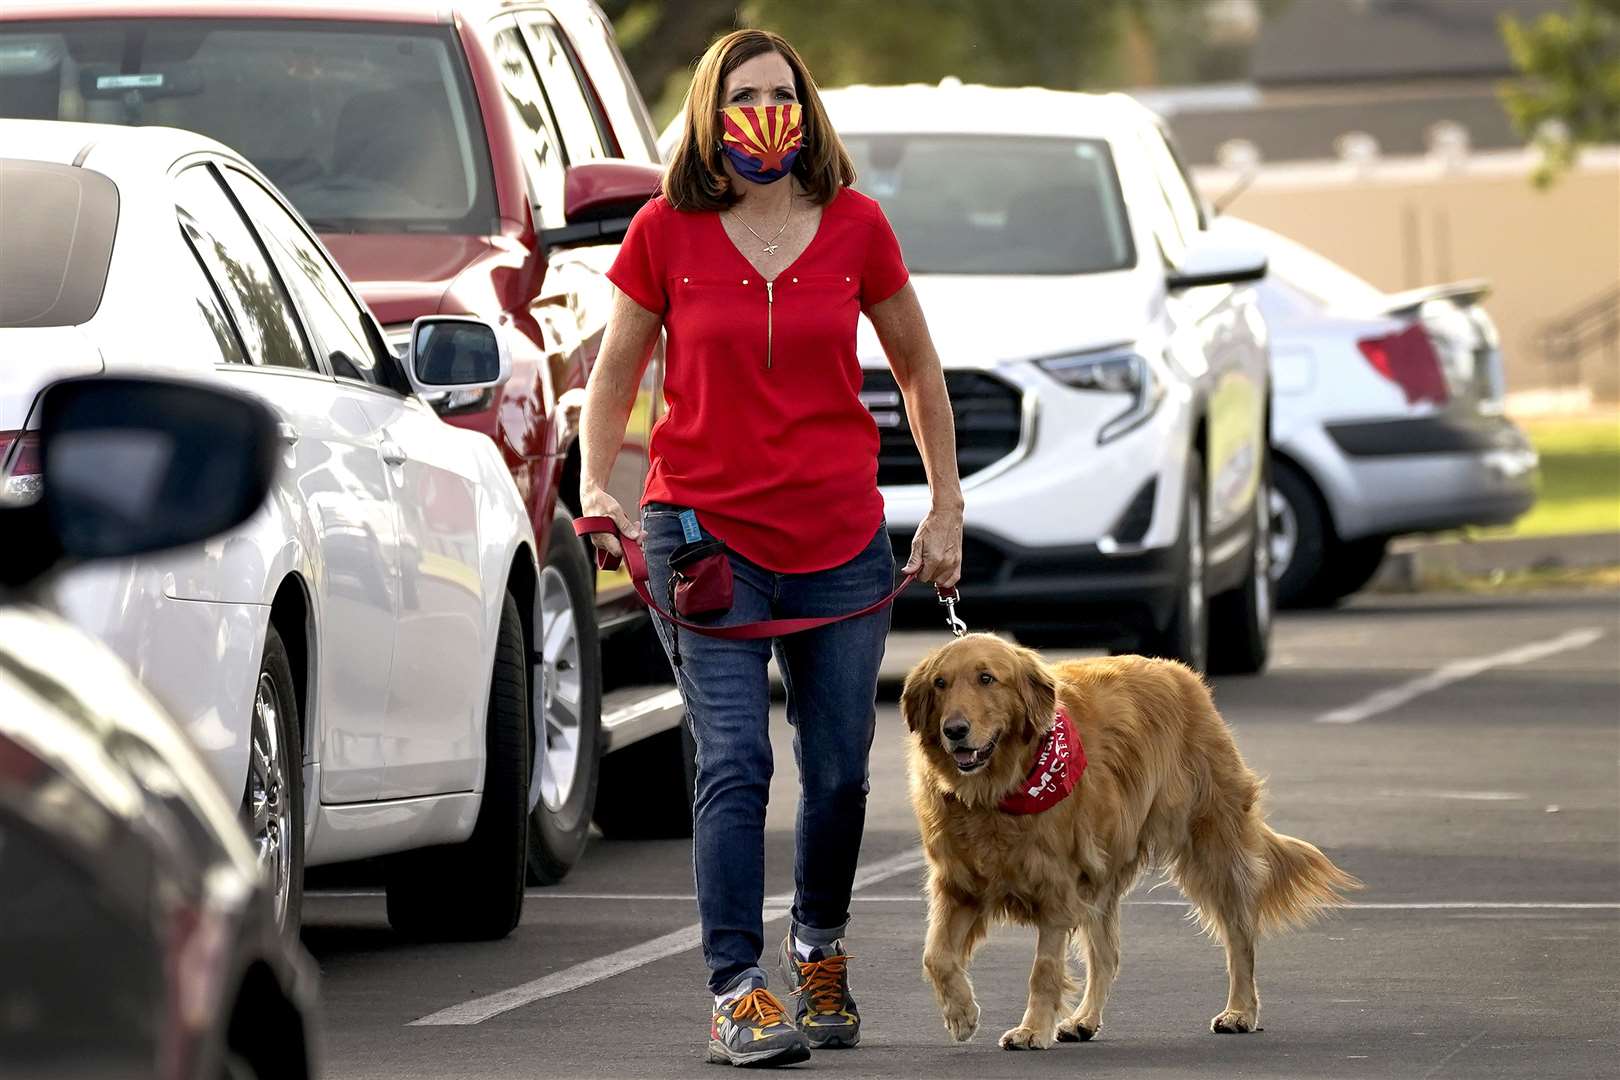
(405, 275)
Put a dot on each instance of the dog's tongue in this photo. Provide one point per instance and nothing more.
(964, 757)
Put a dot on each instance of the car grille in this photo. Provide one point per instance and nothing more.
(989, 421)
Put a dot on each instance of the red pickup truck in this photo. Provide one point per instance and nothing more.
(454, 157)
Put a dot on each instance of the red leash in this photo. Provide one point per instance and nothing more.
(768, 628)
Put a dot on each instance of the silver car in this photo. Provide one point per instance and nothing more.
(1386, 418)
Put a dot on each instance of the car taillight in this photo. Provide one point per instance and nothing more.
(19, 463)
(1408, 360)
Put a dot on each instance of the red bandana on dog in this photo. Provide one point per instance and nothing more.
(1056, 771)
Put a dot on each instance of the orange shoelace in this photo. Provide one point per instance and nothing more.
(824, 982)
(759, 1004)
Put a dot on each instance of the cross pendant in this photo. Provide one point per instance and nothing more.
(770, 249)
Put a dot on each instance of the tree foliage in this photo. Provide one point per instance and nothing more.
(1570, 96)
(1066, 44)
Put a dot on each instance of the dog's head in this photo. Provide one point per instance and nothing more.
(976, 707)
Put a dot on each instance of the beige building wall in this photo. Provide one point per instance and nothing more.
(1410, 222)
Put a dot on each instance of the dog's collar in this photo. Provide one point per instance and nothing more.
(1055, 773)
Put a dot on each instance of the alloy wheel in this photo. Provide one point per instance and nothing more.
(1284, 534)
(1196, 598)
(1263, 541)
(560, 690)
(270, 811)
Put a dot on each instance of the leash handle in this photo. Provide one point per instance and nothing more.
(768, 628)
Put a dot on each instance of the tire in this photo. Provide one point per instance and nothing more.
(1353, 564)
(568, 707)
(1240, 620)
(273, 793)
(473, 891)
(647, 788)
(1185, 635)
(1302, 540)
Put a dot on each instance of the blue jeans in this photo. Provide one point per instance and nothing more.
(830, 676)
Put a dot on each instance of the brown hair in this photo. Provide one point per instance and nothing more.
(696, 178)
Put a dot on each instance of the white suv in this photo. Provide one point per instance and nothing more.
(1107, 368)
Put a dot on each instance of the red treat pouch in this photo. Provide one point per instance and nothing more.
(700, 579)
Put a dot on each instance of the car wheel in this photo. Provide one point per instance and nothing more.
(647, 788)
(1353, 564)
(1240, 620)
(567, 708)
(1185, 636)
(1300, 538)
(273, 799)
(473, 891)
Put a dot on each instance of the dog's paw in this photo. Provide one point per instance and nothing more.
(1023, 1038)
(1072, 1030)
(1232, 1022)
(962, 1019)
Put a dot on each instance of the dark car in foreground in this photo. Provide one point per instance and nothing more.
(137, 935)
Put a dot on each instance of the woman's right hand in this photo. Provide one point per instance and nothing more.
(596, 502)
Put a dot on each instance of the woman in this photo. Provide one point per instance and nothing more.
(756, 261)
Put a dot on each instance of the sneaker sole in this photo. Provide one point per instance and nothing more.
(720, 1054)
(833, 1042)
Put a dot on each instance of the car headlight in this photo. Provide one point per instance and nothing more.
(1111, 371)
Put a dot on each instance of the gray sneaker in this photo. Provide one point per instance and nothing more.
(826, 1014)
(753, 1031)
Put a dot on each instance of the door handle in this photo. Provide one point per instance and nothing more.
(392, 454)
(288, 433)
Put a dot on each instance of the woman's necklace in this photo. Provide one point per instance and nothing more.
(770, 245)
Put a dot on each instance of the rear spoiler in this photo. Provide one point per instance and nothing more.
(1462, 293)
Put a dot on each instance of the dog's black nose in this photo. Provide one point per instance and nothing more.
(956, 730)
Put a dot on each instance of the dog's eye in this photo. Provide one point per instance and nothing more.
(939, 682)
(986, 679)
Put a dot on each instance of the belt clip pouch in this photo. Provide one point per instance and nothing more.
(700, 579)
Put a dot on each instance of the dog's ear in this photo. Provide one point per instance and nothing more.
(917, 698)
(1038, 689)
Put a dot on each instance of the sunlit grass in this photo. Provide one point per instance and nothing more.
(1580, 476)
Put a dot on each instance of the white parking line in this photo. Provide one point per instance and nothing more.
(1395, 696)
(673, 943)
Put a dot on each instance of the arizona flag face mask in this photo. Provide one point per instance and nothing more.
(762, 141)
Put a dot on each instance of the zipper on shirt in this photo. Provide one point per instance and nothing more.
(770, 312)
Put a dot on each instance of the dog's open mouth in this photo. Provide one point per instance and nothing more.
(968, 759)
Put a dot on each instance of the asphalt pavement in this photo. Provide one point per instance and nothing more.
(1458, 754)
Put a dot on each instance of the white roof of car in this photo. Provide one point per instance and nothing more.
(107, 148)
(952, 107)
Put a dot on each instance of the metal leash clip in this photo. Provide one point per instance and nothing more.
(950, 598)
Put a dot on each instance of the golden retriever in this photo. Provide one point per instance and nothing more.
(1163, 784)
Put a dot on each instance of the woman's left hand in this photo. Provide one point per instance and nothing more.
(936, 550)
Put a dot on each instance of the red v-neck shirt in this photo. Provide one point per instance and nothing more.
(765, 435)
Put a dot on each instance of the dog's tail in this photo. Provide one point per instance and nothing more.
(1300, 884)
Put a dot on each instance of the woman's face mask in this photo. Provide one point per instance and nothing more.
(762, 141)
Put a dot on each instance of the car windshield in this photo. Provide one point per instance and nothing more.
(365, 127)
(997, 204)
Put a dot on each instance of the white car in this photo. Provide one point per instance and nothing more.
(355, 660)
(1386, 418)
(1106, 365)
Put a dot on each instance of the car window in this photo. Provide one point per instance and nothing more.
(957, 209)
(584, 129)
(364, 126)
(204, 297)
(257, 300)
(629, 125)
(339, 322)
(543, 159)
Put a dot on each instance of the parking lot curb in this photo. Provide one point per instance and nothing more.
(1411, 565)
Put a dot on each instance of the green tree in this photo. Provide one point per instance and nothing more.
(1066, 44)
(1570, 94)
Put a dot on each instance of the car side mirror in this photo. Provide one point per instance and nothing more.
(456, 353)
(1210, 262)
(599, 199)
(130, 466)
